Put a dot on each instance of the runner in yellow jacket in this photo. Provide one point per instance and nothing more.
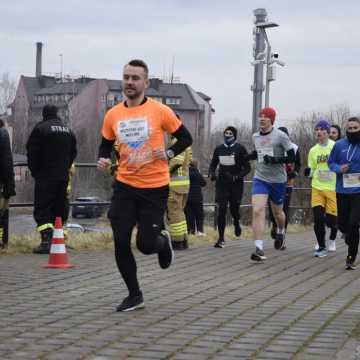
(323, 196)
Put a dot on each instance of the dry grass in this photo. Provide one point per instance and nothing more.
(23, 244)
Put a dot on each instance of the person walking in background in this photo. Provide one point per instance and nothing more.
(344, 160)
(231, 157)
(335, 132)
(178, 192)
(7, 183)
(51, 149)
(323, 196)
(141, 187)
(194, 210)
(292, 171)
(273, 149)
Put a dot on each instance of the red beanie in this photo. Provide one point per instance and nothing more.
(269, 113)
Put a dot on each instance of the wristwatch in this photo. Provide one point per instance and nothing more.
(170, 153)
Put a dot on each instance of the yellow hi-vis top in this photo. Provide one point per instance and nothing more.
(179, 171)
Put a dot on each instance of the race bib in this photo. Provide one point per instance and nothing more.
(133, 132)
(227, 160)
(261, 152)
(351, 180)
(325, 175)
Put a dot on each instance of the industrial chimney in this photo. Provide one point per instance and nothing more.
(38, 71)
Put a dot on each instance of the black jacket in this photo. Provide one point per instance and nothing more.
(196, 183)
(232, 161)
(7, 181)
(51, 149)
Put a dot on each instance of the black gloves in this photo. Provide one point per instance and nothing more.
(307, 171)
(252, 156)
(270, 159)
(231, 177)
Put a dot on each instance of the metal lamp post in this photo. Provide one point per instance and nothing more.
(262, 55)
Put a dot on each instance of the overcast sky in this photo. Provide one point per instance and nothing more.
(211, 42)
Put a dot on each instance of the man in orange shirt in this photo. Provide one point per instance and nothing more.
(141, 187)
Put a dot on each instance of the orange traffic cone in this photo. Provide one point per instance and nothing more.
(58, 258)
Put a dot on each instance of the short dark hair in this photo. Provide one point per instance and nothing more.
(139, 63)
(337, 127)
(354, 118)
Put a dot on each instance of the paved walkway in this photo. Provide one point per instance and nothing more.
(212, 304)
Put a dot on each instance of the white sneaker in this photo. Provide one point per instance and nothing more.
(316, 246)
(200, 233)
(332, 245)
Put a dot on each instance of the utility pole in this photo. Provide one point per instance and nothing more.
(258, 48)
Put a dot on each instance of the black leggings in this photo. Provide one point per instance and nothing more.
(348, 220)
(146, 208)
(228, 193)
(235, 213)
(321, 219)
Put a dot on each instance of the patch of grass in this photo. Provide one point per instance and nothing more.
(23, 244)
(356, 332)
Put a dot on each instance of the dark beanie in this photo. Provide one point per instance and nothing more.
(232, 129)
(269, 113)
(49, 112)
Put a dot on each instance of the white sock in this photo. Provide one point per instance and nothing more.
(280, 231)
(259, 244)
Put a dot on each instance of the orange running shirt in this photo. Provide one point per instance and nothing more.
(139, 131)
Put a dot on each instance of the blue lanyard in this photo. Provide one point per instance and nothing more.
(352, 155)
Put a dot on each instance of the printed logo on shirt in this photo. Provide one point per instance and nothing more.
(322, 158)
(133, 132)
(56, 128)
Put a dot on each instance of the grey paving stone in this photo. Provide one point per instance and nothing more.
(221, 307)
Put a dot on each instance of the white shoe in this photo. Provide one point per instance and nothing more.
(332, 245)
(201, 233)
(316, 246)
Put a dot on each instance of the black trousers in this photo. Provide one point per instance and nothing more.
(49, 201)
(194, 213)
(145, 208)
(348, 206)
(228, 193)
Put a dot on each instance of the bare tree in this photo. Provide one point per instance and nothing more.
(7, 91)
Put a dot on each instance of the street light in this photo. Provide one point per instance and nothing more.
(262, 55)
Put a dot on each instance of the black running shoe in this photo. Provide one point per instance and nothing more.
(258, 255)
(220, 244)
(166, 255)
(350, 264)
(131, 303)
(279, 241)
(237, 229)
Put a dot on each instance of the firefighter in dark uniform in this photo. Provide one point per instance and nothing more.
(233, 167)
(51, 150)
(7, 184)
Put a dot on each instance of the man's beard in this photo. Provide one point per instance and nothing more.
(133, 95)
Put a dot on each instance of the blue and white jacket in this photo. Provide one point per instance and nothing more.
(345, 153)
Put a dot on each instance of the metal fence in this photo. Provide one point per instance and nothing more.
(297, 213)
